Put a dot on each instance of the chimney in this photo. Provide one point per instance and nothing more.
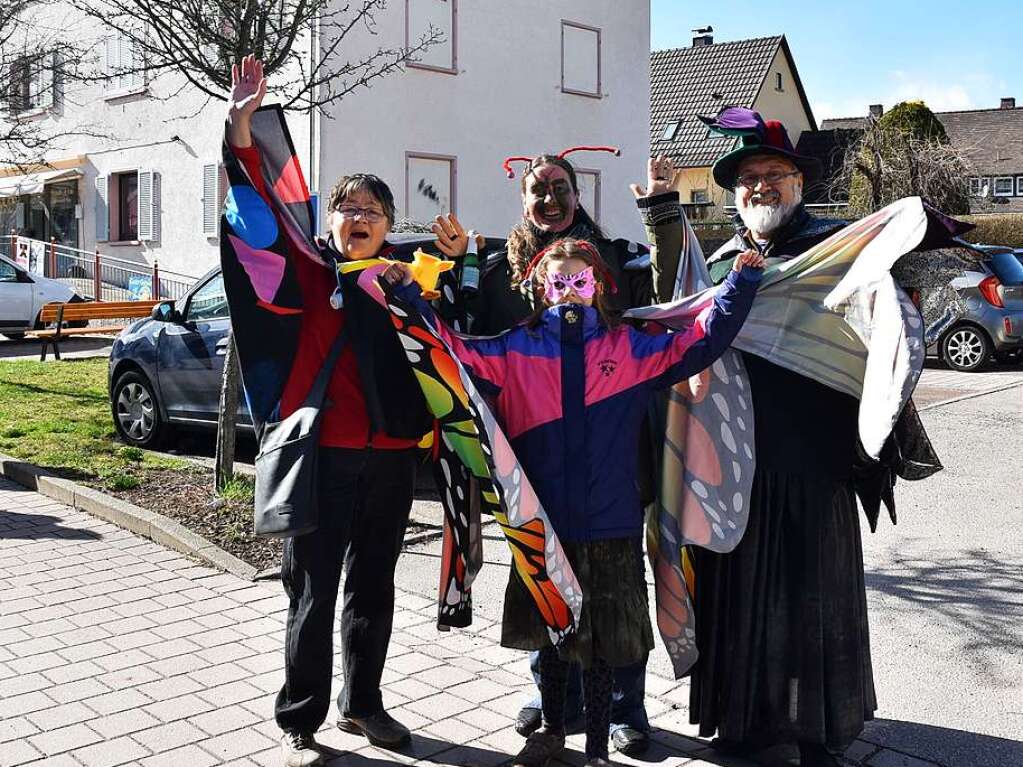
(876, 110)
(702, 40)
(1008, 103)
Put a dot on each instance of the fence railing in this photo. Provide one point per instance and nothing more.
(95, 275)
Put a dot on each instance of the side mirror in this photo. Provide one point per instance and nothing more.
(165, 312)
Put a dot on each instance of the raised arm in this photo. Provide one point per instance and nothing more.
(659, 207)
(670, 358)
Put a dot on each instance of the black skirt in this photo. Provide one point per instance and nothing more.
(615, 621)
(781, 621)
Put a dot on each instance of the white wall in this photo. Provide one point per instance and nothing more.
(505, 99)
(136, 133)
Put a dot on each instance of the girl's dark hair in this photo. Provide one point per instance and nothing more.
(362, 182)
(563, 250)
(525, 241)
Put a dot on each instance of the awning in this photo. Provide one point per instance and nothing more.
(33, 183)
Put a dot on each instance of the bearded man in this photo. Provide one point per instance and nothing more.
(781, 621)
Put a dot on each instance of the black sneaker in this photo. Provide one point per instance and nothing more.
(528, 721)
(300, 750)
(542, 746)
(630, 741)
(381, 729)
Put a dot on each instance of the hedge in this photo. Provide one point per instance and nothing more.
(996, 229)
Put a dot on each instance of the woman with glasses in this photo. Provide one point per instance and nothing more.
(373, 417)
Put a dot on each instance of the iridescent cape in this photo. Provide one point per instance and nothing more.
(833, 314)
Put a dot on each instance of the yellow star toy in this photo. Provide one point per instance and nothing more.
(426, 270)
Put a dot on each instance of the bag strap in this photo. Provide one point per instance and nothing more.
(319, 388)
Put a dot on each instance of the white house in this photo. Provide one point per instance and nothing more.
(512, 77)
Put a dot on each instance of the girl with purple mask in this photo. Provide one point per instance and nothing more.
(570, 388)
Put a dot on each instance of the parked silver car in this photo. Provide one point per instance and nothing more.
(992, 324)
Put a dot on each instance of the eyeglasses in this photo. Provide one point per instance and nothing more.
(751, 180)
(369, 215)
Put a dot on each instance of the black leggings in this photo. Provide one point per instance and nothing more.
(597, 681)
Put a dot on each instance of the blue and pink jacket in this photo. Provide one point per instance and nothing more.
(571, 396)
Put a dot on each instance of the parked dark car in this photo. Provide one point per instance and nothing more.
(166, 370)
(992, 324)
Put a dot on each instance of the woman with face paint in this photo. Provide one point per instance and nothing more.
(551, 210)
(577, 445)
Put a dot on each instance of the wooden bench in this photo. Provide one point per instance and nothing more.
(59, 313)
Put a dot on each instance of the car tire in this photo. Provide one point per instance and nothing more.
(136, 412)
(965, 348)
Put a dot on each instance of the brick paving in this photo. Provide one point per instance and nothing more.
(114, 650)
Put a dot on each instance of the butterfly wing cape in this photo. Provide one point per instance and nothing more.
(833, 314)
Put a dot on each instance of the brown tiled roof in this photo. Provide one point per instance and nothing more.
(991, 139)
(685, 82)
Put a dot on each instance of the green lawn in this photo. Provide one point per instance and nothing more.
(57, 415)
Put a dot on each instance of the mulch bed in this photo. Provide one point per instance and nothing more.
(187, 496)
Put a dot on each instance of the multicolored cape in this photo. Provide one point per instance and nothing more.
(833, 314)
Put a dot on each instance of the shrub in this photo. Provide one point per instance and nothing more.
(996, 229)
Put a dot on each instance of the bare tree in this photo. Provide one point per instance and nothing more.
(37, 63)
(886, 162)
(200, 39)
(302, 43)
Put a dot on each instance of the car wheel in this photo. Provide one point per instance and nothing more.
(965, 348)
(136, 412)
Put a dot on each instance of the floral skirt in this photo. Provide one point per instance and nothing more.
(615, 621)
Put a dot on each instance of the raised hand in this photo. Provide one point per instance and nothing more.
(452, 239)
(248, 87)
(661, 177)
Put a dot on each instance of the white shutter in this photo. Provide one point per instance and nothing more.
(102, 209)
(149, 206)
(125, 62)
(210, 199)
(110, 57)
(42, 83)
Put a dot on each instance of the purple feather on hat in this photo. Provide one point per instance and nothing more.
(736, 121)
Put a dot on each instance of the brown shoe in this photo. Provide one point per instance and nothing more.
(542, 746)
(381, 729)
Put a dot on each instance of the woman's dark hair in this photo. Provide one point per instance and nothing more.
(525, 240)
(372, 185)
(562, 250)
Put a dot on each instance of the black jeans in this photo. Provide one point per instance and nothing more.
(365, 499)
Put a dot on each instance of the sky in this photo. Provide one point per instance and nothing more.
(951, 55)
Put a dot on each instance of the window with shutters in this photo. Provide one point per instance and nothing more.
(34, 82)
(580, 59)
(128, 206)
(124, 66)
(439, 16)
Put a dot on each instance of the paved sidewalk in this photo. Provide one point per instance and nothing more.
(114, 650)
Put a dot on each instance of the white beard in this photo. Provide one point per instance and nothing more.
(765, 219)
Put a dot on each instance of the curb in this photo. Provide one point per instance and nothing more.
(149, 524)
